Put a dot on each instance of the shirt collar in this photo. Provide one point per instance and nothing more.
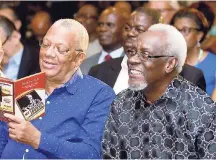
(71, 86)
(114, 54)
(124, 62)
(16, 59)
(174, 86)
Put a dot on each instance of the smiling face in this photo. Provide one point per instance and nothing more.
(58, 65)
(143, 73)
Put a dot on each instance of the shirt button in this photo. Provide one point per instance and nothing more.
(40, 118)
(27, 150)
(48, 102)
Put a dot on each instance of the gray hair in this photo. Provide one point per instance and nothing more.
(176, 44)
(78, 29)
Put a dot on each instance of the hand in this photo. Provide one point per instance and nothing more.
(23, 131)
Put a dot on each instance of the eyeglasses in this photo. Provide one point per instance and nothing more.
(165, 10)
(186, 30)
(58, 49)
(85, 16)
(143, 55)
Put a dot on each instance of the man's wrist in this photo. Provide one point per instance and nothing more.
(36, 140)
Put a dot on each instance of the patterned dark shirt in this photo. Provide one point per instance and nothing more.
(181, 124)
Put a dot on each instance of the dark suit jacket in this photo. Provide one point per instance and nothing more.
(109, 71)
(29, 61)
(90, 62)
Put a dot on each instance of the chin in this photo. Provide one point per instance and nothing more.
(49, 74)
(137, 86)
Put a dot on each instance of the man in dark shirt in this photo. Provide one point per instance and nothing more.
(161, 115)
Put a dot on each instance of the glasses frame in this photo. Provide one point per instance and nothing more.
(189, 30)
(146, 57)
(57, 50)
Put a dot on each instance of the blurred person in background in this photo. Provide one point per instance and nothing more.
(10, 14)
(194, 27)
(87, 15)
(109, 29)
(209, 43)
(167, 8)
(40, 23)
(19, 60)
(124, 7)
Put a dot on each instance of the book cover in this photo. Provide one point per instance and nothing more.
(24, 97)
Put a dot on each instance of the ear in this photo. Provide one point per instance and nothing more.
(18, 24)
(79, 59)
(171, 64)
(199, 36)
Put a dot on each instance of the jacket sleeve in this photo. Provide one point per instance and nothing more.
(200, 80)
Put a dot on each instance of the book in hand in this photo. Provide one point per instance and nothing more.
(24, 97)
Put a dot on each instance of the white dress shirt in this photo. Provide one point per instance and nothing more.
(114, 54)
(122, 79)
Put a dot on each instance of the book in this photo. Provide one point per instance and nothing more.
(24, 97)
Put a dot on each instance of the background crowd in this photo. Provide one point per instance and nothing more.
(106, 23)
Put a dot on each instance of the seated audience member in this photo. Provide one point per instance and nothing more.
(88, 16)
(76, 107)
(161, 115)
(115, 72)
(194, 27)
(167, 8)
(110, 25)
(19, 60)
(12, 16)
(209, 43)
(40, 23)
(123, 6)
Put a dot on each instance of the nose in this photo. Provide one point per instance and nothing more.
(103, 28)
(50, 52)
(133, 60)
(132, 33)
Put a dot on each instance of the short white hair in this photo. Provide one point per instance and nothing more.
(176, 44)
(78, 29)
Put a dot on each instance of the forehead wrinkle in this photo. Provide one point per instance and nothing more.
(152, 41)
(140, 20)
